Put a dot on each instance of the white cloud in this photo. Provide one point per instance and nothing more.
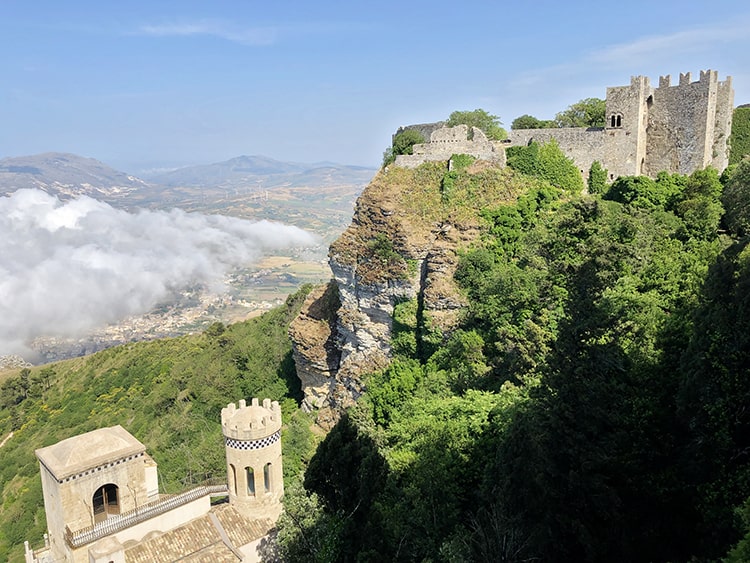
(69, 267)
(673, 44)
(660, 53)
(245, 35)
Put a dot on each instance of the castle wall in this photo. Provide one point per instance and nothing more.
(447, 141)
(680, 128)
(583, 146)
(424, 129)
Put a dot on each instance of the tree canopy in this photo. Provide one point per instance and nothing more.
(403, 143)
(589, 406)
(589, 112)
(479, 118)
(531, 122)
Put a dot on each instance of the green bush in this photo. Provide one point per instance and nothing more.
(739, 141)
(479, 118)
(548, 163)
(597, 181)
(403, 143)
(736, 199)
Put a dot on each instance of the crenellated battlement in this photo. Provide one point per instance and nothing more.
(251, 422)
(678, 128)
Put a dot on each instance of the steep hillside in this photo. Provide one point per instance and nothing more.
(590, 405)
(167, 393)
(403, 244)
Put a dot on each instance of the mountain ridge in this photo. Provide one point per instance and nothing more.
(68, 175)
(263, 172)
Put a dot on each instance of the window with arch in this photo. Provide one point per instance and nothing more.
(267, 477)
(250, 477)
(105, 502)
(232, 478)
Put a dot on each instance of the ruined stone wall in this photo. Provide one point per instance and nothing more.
(424, 129)
(447, 141)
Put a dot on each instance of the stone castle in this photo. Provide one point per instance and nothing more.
(102, 500)
(675, 128)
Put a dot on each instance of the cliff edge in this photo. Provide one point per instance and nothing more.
(403, 245)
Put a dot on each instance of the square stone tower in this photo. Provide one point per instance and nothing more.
(625, 126)
(91, 477)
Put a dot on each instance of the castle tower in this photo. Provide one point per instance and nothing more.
(627, 110)
(252, 436)
(90, 478)
(690, 124)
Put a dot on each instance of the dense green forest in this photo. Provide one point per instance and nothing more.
(592, 406)
(167, 393)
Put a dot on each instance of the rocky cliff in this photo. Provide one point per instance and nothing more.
(403, 244)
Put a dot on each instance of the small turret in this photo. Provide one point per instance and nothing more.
(252, 436)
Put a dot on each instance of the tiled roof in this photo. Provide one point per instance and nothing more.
(199, 541)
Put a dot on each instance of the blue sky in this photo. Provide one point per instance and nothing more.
(142, 83)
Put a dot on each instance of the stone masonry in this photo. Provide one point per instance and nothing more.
(677, 128)
(447, 141)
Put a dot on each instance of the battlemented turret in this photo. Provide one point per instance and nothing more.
(252, 436)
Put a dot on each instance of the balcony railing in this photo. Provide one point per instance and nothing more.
(140, 514)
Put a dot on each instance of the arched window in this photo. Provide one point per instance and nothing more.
(106, 502)
(619, 121)
(250, 476)
(232, 478)
(267, 477)
(612, 121)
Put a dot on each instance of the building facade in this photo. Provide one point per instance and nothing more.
(676, 128)
(103, 505)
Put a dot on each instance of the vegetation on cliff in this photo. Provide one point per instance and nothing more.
(167, 393)
(591, 405)
(739, 141)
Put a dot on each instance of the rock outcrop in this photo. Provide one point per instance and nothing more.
(403, 244)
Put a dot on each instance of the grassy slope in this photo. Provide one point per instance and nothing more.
(167, 393)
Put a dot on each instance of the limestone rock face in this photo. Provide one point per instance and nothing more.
(397, 248)
(316, 355)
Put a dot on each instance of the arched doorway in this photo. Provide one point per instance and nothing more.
(106, 501)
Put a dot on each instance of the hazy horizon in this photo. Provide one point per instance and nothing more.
(153, 84)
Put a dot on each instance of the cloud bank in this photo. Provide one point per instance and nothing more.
(68, 267)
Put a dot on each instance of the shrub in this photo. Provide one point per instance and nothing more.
(739, 141)
(597, 182)
(403, 143)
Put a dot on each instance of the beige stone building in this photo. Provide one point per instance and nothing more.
(103, 505)
(678, 128)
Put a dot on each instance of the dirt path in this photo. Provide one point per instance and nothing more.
(8, 437)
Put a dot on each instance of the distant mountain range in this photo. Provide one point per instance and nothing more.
(264, 173)
(68, 175)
